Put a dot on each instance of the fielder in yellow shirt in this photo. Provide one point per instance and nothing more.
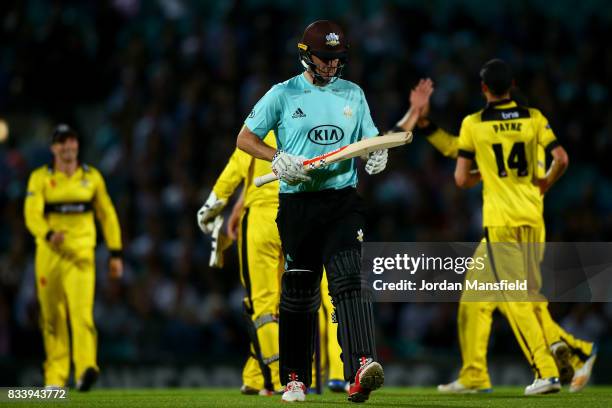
(59, 212)
(574, 357)
(261, 264)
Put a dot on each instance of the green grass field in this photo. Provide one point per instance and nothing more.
(592, 397)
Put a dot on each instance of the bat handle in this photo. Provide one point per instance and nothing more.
(268, 178)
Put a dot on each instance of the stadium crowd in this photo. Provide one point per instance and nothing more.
(159, 89)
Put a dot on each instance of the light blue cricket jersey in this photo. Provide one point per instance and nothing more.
(309, 121)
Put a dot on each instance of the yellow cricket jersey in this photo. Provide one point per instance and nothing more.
(56, 202)
(448, 145)
(244, 167)
(504, 138)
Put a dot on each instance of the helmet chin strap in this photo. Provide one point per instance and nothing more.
(318, 79)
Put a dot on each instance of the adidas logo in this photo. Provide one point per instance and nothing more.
(298, 114)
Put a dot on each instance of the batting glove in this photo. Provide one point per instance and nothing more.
(289, 168)
(209, 211)
(377, 161)
(219, 243)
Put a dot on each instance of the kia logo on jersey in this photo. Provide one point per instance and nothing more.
(325, 134)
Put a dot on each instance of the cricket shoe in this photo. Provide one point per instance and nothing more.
(266, 393)
(295, 391)
(583, 374)
(368, 378)
(457, 388)
(246, 390)
(543, 386)
(336, 385)
(562, 355)
(88, 378)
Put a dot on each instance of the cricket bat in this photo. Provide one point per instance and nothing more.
(361, 148)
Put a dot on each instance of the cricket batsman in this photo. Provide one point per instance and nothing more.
(321, 218)
(261, 266)
(60, 203)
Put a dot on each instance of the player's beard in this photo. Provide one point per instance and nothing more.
(327, 74)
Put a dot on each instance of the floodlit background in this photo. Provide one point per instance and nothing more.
(158, 90)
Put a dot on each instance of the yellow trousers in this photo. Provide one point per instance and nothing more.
(261, 266)
(553, 333)
(65, 286)
(533, 327)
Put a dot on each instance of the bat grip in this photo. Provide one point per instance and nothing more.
(268, 178)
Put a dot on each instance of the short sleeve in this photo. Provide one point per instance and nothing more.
(546, 136)
(444, 142)
(235, 171)
(465, 144)
(266, 113)
(368, 128)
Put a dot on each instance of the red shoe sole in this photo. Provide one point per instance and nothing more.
(371, 379)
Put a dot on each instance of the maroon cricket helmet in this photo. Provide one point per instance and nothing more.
(324, 39)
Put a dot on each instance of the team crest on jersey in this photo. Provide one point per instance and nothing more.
(348, 112)
(84, 183)
(360, 235)
(332, 39)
